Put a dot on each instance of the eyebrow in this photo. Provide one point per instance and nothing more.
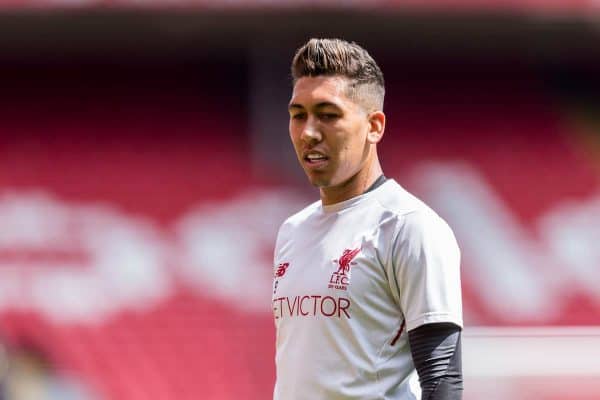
(322, 104)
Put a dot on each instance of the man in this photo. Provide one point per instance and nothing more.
(366, 295)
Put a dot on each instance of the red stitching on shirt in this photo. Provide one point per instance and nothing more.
(398, 334)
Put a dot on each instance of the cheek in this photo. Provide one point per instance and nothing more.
(348, 155)
(294, 135)
(352, 144)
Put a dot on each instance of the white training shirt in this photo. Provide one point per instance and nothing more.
(350, 280)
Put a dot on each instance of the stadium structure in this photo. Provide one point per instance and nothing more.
(145, 167)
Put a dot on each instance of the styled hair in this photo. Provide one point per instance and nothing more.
(332, 57)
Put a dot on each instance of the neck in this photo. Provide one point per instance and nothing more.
(355, 186)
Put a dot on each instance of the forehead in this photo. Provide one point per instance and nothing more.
(310, 90)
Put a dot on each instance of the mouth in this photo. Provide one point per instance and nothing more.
(315, 160)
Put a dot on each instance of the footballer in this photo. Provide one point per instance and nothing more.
(366, 292)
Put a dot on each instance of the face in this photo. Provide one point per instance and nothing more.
(332, 134)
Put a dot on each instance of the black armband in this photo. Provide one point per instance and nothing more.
(436, 353)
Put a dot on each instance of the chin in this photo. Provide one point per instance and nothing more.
(319, 181)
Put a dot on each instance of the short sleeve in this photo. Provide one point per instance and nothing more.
(426, 270)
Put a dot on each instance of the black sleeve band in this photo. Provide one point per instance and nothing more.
(436, 353)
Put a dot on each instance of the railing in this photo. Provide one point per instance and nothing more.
(539, 363)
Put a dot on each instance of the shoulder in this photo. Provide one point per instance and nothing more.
(414, 220)
(394, 199)
(424, 238)
(425, 225)
(299, 218)
(408, 209)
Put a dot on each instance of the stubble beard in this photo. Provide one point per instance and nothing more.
(319, 181)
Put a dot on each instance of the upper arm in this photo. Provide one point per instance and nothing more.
(426, 270)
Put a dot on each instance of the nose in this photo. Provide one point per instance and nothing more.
(311, 132)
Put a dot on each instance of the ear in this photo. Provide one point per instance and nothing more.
(376, 127)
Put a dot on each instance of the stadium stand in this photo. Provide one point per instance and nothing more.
(158, 149)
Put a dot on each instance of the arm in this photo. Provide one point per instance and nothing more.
(436, 353)
(427, 268)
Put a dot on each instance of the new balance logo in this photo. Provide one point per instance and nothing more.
(281, 270)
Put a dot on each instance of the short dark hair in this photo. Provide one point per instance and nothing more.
(338, 57)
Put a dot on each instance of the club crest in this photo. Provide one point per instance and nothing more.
(340, 279)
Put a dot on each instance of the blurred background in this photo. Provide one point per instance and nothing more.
(145, 168)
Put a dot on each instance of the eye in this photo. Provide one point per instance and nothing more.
(328, 116)
(298, 116)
